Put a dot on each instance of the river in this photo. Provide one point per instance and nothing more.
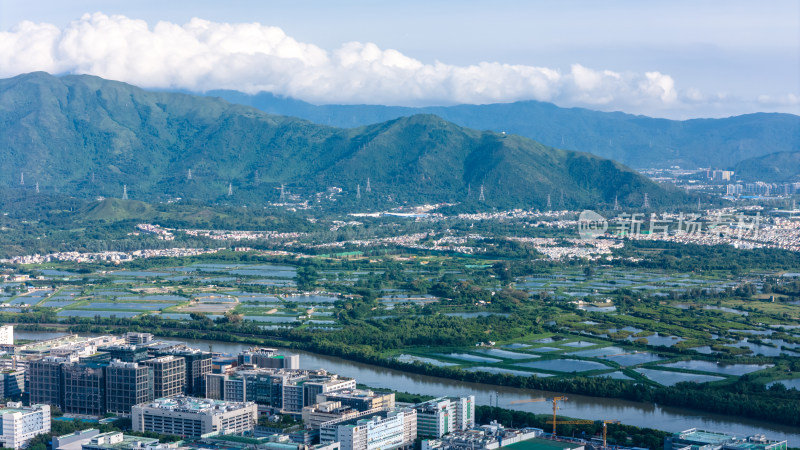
(577, 406)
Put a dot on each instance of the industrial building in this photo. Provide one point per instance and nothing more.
(710, 440)
(268, 358)
(385, 431)
(20, 423)
(93, 439)
(494, 436)
(440, 416)
(83, 389)
(127, 384)
(194, 417)
(12, 383)
(169, 375)
(303, 392)
(132, 338)
(359, 399)
(197, 365)
(286, 389)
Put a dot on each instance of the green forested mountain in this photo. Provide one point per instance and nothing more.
(637, 141)
(88, 137)
(781, 167)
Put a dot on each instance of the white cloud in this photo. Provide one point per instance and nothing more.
(250, 57)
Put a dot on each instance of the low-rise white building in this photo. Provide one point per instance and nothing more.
(21, 423)
(194, 417)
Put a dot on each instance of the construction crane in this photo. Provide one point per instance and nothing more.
(555, 401)
(605, 428)
(587, 422)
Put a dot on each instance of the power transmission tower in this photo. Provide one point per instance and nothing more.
(646, 203)
(21, 179)
(698, 204)
(368, 187)
(481, 197)
(549, 203)
(283, 194)
(37, 187)
(124, 191)
(189, 174)
(616, 203)
(230, 189)
(257, 179)
(358, 192)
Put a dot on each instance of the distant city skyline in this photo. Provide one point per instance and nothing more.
(677, 59)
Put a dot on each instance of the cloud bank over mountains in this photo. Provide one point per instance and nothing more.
(202, 55)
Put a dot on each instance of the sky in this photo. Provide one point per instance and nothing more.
(676, 59)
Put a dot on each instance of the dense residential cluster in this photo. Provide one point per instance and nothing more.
(108, 256)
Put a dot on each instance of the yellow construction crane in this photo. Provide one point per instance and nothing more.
(555, 401)
(605, 428)
(587, 422)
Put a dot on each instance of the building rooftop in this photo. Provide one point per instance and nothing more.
(118, 440)
(543, 444)
(195, 405)
(707, 437)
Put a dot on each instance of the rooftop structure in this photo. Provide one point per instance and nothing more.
(493, 436)
(331, 411)
(268, 358)
(693, 438)
(386, 430)
(194, 417)
(360, 399)
(92, 439)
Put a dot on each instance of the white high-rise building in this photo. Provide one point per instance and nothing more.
(20, 423)
(440, 416)
(7, 335)
(382, 431)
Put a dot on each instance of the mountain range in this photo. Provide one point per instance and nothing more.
(85, 136)
(780, 167)
(637, 141)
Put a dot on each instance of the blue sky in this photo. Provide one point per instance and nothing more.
(677, 59)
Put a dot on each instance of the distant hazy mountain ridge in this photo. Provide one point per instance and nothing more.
(85, 136)
(637, 141)
(782, 167)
